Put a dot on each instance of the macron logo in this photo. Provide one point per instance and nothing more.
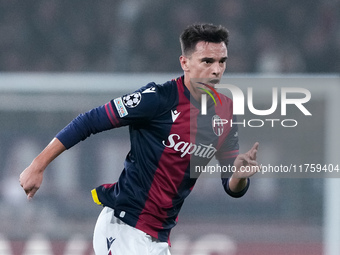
(109, 242)
(149, 90)
(174, 115)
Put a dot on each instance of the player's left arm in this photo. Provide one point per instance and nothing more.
(246, 165)
(243, 166)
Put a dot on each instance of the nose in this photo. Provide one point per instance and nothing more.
(217, 69)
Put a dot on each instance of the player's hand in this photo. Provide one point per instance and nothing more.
(31, 179)
(246, 164)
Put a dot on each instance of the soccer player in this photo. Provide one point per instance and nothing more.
(168, 136)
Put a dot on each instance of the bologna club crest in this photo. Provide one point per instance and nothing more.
(217, 125)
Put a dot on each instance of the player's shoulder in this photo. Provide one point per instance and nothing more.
(164, 91)
(156, 96)
(153, 87)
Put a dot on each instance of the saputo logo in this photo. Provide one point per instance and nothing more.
(239, 105)
(185, 148)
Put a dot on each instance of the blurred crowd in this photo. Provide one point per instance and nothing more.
(142, 35)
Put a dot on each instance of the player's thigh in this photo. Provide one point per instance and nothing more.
(113, 237)
(100, 232)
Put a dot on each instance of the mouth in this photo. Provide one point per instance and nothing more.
(214, 81)
(210, 83)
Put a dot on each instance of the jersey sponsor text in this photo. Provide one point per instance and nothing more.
(201, 150)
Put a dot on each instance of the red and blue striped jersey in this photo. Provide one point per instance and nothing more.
(168, 136)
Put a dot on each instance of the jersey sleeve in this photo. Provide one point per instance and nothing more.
(139, 106)
(128, 109)
(83, 126)
(225, 183)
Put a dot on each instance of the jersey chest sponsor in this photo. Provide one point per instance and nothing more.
(200, 150)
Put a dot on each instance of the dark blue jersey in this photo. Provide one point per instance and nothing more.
(168, 136)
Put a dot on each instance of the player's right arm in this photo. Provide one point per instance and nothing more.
(32, 177)
(94, 121)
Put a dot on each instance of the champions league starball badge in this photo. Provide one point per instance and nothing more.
(132, 100)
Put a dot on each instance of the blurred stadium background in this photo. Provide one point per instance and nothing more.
(61, 58)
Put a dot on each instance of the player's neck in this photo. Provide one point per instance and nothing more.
(193, 92)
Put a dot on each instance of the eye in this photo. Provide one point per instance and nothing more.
(207, 61)
(222, 61)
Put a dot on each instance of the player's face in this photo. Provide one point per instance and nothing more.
(207, 64)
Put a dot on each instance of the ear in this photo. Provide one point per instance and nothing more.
(184, 63)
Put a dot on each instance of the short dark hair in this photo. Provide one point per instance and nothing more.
(202, 32)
